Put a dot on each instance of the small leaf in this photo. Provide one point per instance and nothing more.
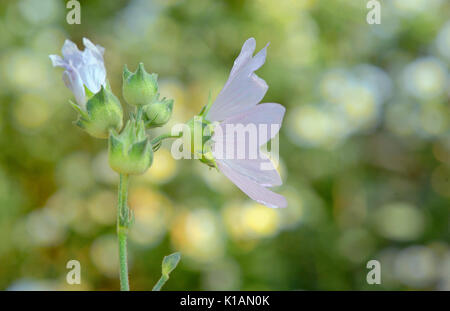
(168, 265)
(77, 108)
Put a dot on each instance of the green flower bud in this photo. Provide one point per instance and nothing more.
(140, 87)
(130, 152)
(103, 114)
(158, 113)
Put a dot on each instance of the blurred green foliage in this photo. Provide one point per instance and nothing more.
(365, 147)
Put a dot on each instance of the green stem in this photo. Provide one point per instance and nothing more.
(160, 283)
(123, 221)
(139, 113)
(160, 138)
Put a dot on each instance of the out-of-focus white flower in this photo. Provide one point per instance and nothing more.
(425, 78)
(416, 266)
(84, 70)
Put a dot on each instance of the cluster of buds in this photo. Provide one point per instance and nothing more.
(130, 150)
(100, 111)
(140, 89)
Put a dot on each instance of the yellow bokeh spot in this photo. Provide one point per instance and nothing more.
(31, 111)
(359, 104)
(163, 169)
(251, 220)
(260, 220)
(196, 234)
(152, 212)
(105, 255)
(102, 207)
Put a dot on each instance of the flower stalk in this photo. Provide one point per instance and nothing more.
(156, 142)
(162, 280)
(168, 265)
(123, 221)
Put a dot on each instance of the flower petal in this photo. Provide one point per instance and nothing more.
(73, 81)
(100, 48)
(93, 76)
(82, 68)
(246, 54)
(96, 50)
(262, 171)
(264, 118)
(244, 89)
(71, 53)
(255, 191)
(57, 61)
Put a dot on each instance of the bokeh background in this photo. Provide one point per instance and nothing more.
(365, 147)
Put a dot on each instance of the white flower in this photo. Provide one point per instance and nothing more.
(82, 68)
(237, 103)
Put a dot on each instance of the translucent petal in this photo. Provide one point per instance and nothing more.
(93, 76)
(96, 50)
(246, 54)
(256, 170)
(244, 89)
(57, 61)
(264, 118)
(255, 191)
(71, 53)
(73, 81)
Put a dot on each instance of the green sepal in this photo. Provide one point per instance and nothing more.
(126, 73)
(77, 108)
(130, 152)
(206, 108)
(103, 113)
(202, 150)
(88, 92)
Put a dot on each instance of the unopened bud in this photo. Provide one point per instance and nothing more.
(158, 113)
(130, 152)
(139, 88)
(103, 114)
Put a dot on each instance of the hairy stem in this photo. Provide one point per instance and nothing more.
(123, 221)
(160, 283)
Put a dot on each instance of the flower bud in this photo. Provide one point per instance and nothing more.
(103, 113)
(130, 152)
(158, 113)
(140, 87)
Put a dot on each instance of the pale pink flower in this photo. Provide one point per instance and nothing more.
(82, 68)
(238, 103)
